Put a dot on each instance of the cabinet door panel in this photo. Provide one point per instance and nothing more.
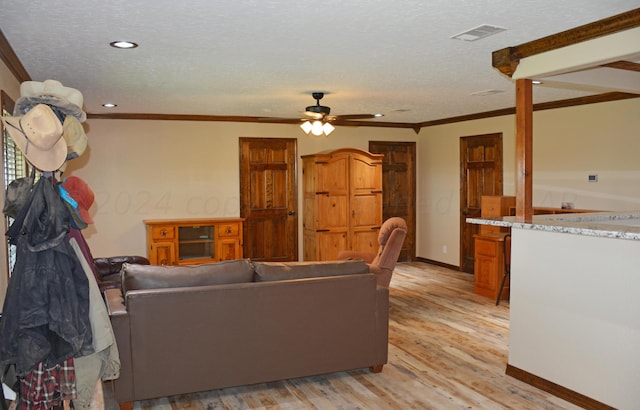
(333, 176)
(485, 273)
(163, 253)
(228, 249)
(366, 210)
(333, 211)
(330, 244)
(365, 240)
(366, 175)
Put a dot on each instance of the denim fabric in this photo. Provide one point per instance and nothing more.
(46, 311)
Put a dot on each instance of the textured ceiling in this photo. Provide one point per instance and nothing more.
(263, 58)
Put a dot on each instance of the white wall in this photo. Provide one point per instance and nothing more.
(141, 169)
(439, 183)
(568, 144)
(602, 139)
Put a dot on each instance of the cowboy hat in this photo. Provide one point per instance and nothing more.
(38, 134)
(53, 93)
(75, 137)
(82, 194)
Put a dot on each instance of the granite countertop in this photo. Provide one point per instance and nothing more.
(621, 225)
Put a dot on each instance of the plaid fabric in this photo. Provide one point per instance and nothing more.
(44, 388)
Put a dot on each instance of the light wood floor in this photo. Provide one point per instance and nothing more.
(447, 350)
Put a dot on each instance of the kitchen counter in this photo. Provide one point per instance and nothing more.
(574, 308)
(620, 225)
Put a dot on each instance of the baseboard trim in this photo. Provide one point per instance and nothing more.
(432, 262)
(555, 389)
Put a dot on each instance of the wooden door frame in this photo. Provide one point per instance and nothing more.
(499, 183)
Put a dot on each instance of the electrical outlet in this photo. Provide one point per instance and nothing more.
(444, 248)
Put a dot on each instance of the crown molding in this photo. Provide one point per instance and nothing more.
(11, 60)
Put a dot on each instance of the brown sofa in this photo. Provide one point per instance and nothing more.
(188, 329)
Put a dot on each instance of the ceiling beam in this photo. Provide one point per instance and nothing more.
(624, 65)
(507, 59)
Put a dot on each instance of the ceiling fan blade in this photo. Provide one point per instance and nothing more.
(314, 115)
(277, 120)
(352, 117)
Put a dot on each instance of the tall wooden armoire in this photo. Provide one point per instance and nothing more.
(342, 202)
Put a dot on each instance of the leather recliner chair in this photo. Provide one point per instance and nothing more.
(390, 238)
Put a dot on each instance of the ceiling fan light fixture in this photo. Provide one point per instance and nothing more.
(328, 128)
(317, 128)
(306, 127)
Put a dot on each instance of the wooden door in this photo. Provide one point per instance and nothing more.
(269, 198)
(480, 174)
(399, 188)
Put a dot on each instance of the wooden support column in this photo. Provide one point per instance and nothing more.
(524, 149)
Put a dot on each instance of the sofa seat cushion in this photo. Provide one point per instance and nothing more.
(135, 277)
(273, 271)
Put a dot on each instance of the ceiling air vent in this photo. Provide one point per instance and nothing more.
(479, 32)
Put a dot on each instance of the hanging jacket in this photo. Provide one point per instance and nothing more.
(46, 310)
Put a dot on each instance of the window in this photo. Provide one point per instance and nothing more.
(14, 165)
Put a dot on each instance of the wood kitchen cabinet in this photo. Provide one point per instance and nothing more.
(193, 241)
(342, 202)
(489, 265)
(492, 206)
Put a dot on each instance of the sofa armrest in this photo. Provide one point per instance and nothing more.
(365, 256)
(113, 264)
(382, 325)
(122, 387)
(115, 302)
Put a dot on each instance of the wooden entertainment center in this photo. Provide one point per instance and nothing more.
(193, 241)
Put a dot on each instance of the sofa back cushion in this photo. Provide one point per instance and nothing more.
(273, 271)
(136, 277)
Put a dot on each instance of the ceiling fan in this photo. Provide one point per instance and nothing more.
(321, 112)
(319, 119)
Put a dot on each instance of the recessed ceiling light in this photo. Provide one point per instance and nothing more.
(476, 33)
(109, 105)
(378, 115)
(123, 44)
(536, 82)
